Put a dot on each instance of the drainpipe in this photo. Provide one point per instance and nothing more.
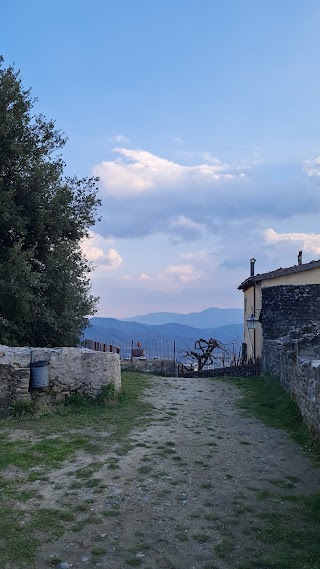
(252, 263)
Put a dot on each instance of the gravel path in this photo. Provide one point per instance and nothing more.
(188, 495)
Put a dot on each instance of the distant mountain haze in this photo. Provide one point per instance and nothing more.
(111, 330)
(210, 317)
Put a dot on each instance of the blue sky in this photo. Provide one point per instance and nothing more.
(201, 119)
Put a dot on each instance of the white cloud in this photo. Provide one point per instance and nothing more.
(312, 167)
(94, 249)
(186, 229)
(141, 277)
(308, 241)
(197, 257)
(177, 140)
(184, 273)
(137, 171)
(120, 139)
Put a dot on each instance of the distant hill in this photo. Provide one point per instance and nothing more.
(123, 333)
(209, 318)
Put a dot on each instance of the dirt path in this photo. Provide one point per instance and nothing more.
(188, 495)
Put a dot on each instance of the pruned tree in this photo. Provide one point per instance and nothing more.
(204, 354)
(45, 294)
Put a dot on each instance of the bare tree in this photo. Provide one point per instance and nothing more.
(204, 354)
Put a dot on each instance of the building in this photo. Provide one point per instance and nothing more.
(293, 282)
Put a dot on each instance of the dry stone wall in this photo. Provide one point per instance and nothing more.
(71, 370)
(289, 307)
(299, 372)
(291, 344)
(160, 367)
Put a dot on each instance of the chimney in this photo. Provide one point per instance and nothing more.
(300, 258)
(252, 262)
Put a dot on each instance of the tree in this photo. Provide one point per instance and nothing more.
(45, 294)
(204, 354)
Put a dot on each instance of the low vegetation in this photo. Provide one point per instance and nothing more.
(32, 446)
(289, 535)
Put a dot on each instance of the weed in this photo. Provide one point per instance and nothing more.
(20, 409)
(201, 537)
(182, 537)
(144, 469)
(224, 548)
(282, 484)
(133, 561)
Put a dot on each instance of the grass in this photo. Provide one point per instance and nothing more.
(285, 529)
(52, 440)
(265, 399)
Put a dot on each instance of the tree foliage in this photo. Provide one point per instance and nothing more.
(44, 286)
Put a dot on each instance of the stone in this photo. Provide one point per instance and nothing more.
(71, 370)
(64, 565)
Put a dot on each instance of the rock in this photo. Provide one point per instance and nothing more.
(140, 555)
(64, 565)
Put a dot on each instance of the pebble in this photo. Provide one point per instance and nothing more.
(85, 558)
(140, 555)
(64, 565)
(103, 535)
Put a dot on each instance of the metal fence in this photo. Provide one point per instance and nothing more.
(142, 349)
(226, 359)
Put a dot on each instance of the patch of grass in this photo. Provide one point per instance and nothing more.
(211, 517)
(182, 537)
(201, 463)
(133, 561)
(46, 452)
(265, 398)
(145, 469)
(201, 537)
(97, 551)
(282, 483)
(288, 533)
(23, 409)
(224, 548)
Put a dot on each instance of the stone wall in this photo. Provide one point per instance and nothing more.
(71, 370)
(298, 369)
(290, 307)
(159, 367)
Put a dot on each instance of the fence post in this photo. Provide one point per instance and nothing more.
(131, 349)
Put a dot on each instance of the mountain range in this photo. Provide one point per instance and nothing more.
(208, 318)
(126, 333)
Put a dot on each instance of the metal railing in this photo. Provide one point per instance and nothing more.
(140, 349)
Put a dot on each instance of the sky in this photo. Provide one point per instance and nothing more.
(201, 119)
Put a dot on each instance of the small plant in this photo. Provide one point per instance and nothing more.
(77, 401)
(20, 409)
(109, 395)
(201, 537)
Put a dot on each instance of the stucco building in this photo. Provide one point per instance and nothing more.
(294, 281)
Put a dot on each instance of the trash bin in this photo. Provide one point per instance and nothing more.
(39, 374)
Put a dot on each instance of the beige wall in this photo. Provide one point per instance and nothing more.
(312, 276)
(253, 338)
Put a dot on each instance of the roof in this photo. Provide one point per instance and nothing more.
(279, 273)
